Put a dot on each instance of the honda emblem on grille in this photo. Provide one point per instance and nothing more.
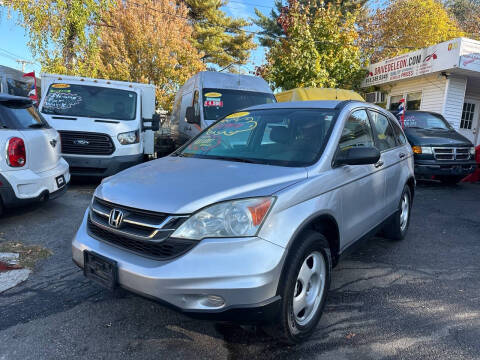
(115, 218)
(81, 142)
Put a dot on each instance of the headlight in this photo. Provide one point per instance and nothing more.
(127, 138)
(472, 151)
(422, 149)
(228, 219)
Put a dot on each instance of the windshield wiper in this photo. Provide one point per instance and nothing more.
(236, 159)
(438, 128)
(36, 126)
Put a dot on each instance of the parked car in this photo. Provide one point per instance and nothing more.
(439, 151)
(207, 97)
(247, 220)
(105, 125)
(309, 94)
(31, 168)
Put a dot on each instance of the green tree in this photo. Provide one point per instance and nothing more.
(467, 14)
(221, 38)
(62, 32)
(271, 29)
(406, 25)
(319, 49)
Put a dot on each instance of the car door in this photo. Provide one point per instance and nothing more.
(362, 186)
(391, 156)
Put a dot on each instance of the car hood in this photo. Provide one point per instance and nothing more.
(177, 185)
(424, 137)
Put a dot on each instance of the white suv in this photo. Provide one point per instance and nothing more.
(31, 168)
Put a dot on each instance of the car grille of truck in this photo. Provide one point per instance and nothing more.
(451, 153)
(143, 232)
(86, 143)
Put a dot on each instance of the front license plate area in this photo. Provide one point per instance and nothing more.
(60, 181)
(100, 269)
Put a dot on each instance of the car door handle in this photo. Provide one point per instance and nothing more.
(401, 155)
(379, 164)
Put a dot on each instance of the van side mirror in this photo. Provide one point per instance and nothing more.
(155, 120)
(190, 116)
(357, 156)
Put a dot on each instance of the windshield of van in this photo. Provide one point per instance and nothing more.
(90, 101)
(217, 103)
(285, 137)
(20, 115)
(425, 120)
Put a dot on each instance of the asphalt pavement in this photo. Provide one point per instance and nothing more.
(414, 299)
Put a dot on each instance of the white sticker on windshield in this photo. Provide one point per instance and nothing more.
(62, 100)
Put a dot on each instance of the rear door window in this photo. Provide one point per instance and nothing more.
(399, 135)
(20, 115)
(384, 135)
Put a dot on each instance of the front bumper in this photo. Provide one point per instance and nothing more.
(446, 168)
(24, 186)
(101, 166)
(244, 272)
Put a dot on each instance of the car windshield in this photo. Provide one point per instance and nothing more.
(90, 101)
(217, 103)
(425, 120)
(285, 137)
(20, 115)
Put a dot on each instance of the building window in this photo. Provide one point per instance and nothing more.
(467, 116)
(395, 102)
(414, 100)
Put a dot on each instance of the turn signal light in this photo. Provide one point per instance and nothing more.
(16, 154)
(417, 149)
(259, 211)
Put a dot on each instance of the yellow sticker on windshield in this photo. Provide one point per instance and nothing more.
(60, 86)
(213, 94)
(237, 115)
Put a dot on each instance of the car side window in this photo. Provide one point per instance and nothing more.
(384, 135)
(399, 135)
(357, 131)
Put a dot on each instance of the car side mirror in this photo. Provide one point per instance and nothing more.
(358, 156)
(155, 123)
(190, 116)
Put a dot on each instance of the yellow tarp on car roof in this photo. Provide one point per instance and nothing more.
(305, 94)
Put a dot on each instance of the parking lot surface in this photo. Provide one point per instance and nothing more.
(415, 299)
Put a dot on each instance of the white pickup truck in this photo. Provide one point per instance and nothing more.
(102, 123)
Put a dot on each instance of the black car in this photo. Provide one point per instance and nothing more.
(440, 152)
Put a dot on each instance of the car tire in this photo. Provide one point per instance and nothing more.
(303, 288)
(397, 227)
(1, 207)
(451, 180)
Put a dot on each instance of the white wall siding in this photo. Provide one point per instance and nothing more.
(432, 88)
(454, 99)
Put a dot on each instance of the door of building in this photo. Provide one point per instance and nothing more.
(469, 123)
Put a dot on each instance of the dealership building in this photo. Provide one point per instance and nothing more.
(444, 78)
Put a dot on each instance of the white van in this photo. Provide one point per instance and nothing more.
(209, 96)
(101, 122)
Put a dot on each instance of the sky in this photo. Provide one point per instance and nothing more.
(13, 42)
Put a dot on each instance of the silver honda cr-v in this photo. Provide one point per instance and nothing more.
(247, 219)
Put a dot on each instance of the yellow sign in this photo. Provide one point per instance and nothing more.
(213, 94)
(60, 86)
(237, 115)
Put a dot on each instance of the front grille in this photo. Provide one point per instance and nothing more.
(167, 249)
(451, 153)
(144, 232)
(86, 143)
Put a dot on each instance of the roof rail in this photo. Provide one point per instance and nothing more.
(344, 103)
